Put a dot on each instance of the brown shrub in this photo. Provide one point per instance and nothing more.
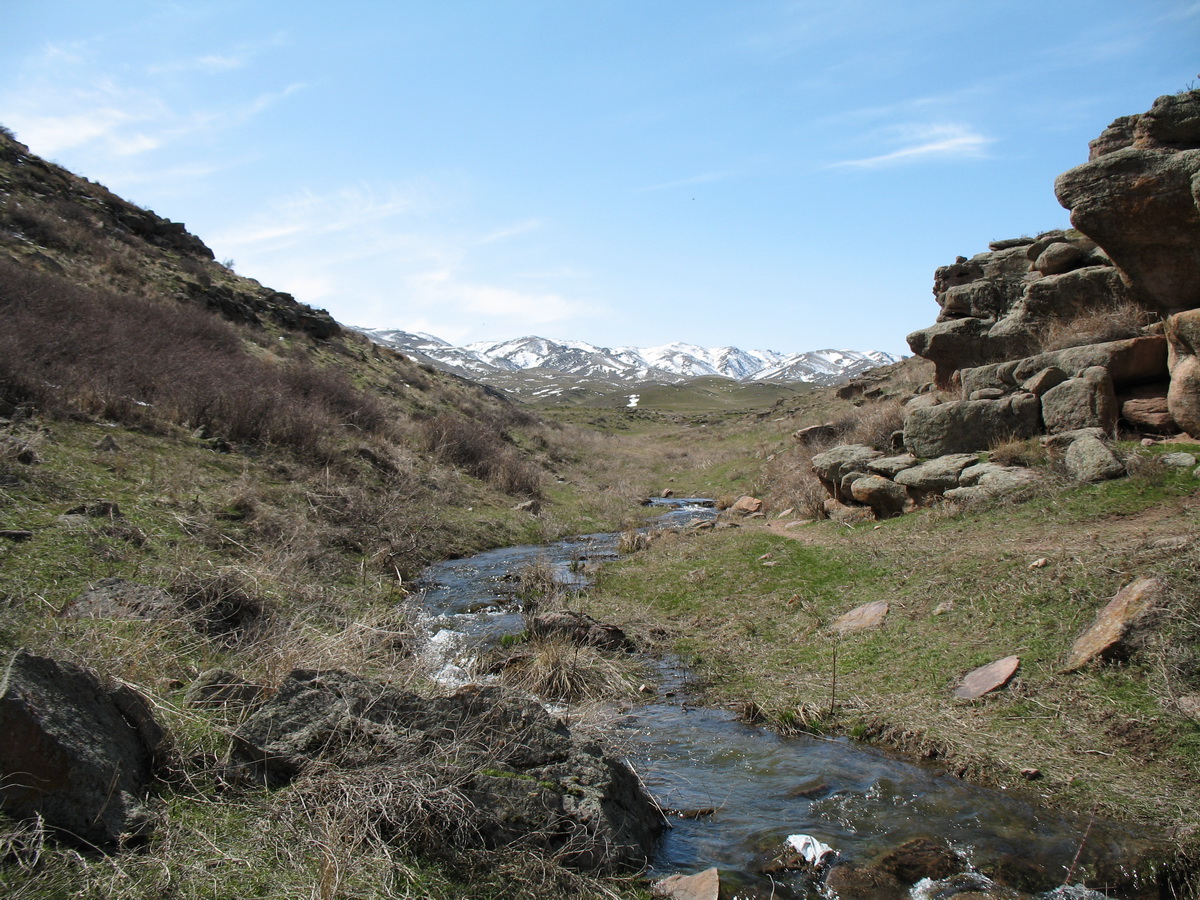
(477, 448)
(70, 349)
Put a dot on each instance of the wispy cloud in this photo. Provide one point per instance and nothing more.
(923, 143)
(511, 231)
(388, 255)
(705, 178)
(63, 103)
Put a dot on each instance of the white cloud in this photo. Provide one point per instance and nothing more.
(920, 143)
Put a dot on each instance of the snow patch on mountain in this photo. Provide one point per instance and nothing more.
(669, 363)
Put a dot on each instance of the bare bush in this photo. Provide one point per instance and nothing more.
(480, 450)
(872, 424)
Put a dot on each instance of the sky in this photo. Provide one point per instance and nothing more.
(767, 174)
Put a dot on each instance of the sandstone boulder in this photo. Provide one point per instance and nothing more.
(1145, 408)
(1109, 637)
(891, 466)
(815, 434)
(1086, 401)
(1139, 202)
(78, 754)
(987, 480)
(745, 506)
(525, 781)
(971, 425)
(1088, 459)
(885, 497)
(704, 885)
(937, 475)
(1183, 395)
(832, 465)
(1129, 362)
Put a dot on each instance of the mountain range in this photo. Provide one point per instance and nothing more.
(492, 362)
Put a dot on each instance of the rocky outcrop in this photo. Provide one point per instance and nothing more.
(970, 425)
(1138, 197)
(81, 755)
(522, 779)
(1133, 258)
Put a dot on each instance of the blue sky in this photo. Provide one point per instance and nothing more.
(761, 173)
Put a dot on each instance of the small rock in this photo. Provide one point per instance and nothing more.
(869, 615)
(1040, 563)
(96, 509)
(1031, 774)
(666, 492)
(1107, 637)
(944, 607)
(987, 678)
(1178, 460)
(921, 858)
(1189, 705)
(747, 505)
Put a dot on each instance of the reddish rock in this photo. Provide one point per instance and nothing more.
(1146, 409)
(987, 678)
(704, 885)
(1108, 636)
(869, 615)
(747, 505)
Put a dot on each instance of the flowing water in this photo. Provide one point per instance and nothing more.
(745, 789)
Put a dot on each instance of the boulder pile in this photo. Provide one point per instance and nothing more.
(1070, 335)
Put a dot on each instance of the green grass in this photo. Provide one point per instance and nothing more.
(758, 635)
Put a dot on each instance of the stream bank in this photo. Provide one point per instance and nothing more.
(745, 789)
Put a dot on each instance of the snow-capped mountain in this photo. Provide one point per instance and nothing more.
(669, 363)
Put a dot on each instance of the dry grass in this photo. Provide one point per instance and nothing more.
(562, 672)
(1113, 321)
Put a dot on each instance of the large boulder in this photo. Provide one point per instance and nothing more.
(1137, 198)
(970, 425)
(520, 777)
(984, 481)
(834, 464)
(937, 475)
(79, 754)
(1183, 395)
(885, 497)
(1088, 458)
(1130, 361)
(1087, 401)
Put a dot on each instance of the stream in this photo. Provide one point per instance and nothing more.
(754, 788)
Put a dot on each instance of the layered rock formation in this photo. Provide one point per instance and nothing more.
(1071, 334)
